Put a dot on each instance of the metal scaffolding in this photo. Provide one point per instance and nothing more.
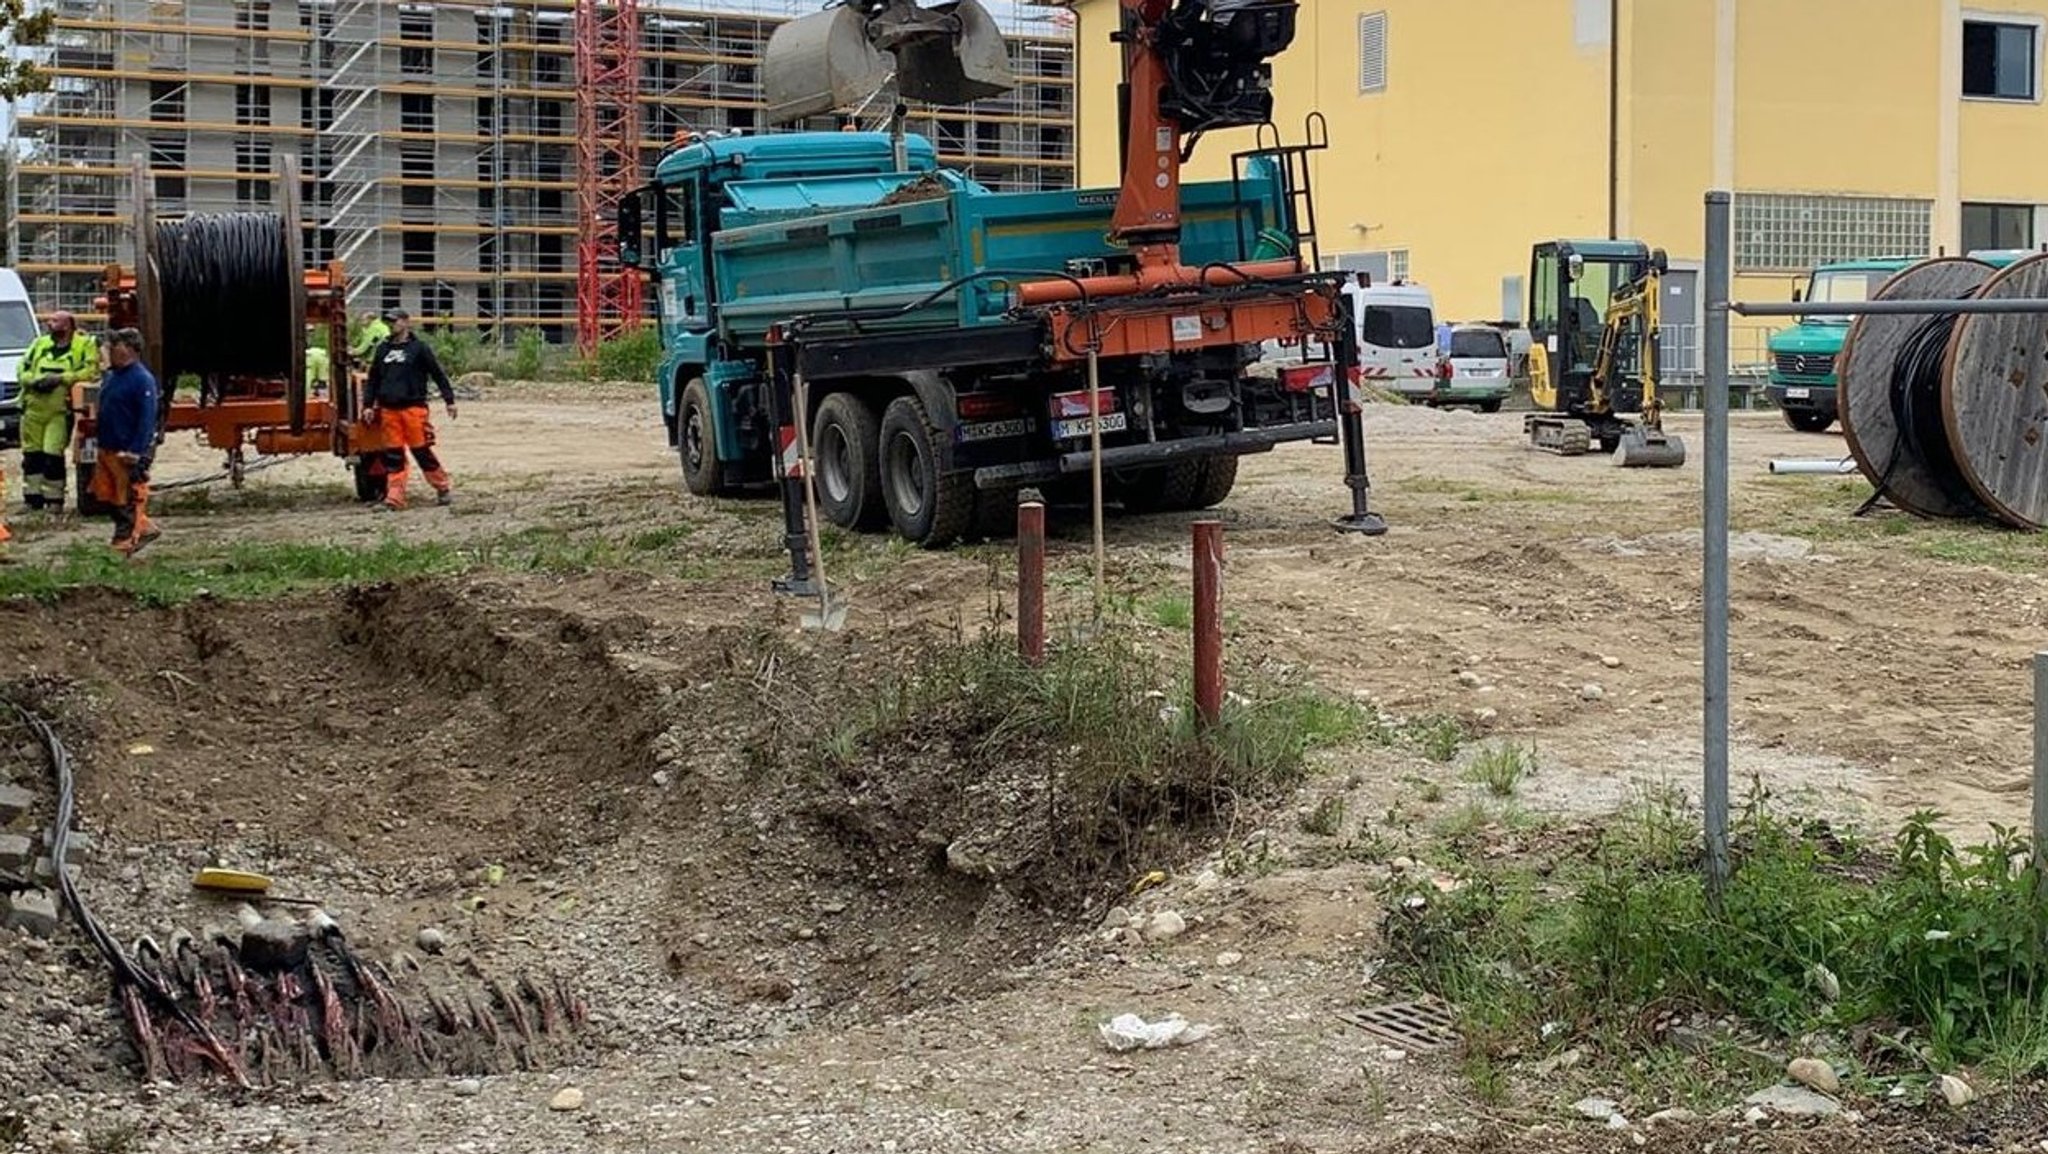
(439, 142)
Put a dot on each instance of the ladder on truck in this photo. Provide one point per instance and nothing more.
(1297, 205)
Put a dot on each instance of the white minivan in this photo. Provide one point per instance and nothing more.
(1397, 338)
(18, 331)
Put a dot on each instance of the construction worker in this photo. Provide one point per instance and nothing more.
(397, 389)
(56, 361)
(126, 442)
(373, 332)
(319, 373)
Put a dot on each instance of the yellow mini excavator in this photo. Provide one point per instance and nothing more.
(1590, 366)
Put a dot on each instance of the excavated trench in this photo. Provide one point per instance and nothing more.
(613, 824)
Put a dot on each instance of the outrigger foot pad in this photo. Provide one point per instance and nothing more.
(1367, 524)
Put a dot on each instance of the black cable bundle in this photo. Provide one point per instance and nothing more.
(225, 283)
(1916, 410)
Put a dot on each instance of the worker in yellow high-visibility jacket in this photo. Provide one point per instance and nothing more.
(59, 359)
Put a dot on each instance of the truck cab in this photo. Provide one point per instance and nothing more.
(1802, 356)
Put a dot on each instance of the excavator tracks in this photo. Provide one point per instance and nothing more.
(1561, 435)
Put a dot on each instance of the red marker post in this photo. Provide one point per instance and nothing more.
(1208, 556)
(1031, 582)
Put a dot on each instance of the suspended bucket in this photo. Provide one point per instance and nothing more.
(948, 54)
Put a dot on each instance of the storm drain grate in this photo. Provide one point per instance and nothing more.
(1418, 1026)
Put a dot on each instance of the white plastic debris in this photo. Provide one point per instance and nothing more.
(1130, 1032)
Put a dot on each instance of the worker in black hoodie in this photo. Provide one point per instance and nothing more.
(400, 368)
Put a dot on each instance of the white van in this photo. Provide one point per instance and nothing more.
(1397, 338)
(18, 330)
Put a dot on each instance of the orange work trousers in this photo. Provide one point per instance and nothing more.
(408, 428)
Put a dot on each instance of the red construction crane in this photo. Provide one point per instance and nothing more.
(608, 295)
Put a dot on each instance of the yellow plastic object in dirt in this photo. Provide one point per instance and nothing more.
(227, 881)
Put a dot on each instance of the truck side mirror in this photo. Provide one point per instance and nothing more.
(1797, 296)
(629, 231)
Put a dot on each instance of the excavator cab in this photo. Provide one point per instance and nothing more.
(949, 54)
(1593, 342)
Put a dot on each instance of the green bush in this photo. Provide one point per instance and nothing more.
(632, 356)
(1944, 948)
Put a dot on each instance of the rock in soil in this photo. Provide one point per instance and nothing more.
(1793, 1102)
(566, 1099)
(1814, 1073)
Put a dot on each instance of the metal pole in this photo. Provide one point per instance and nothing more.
(1714, 577)
(1208, 558)
(2041, 772)
(1095, 464)
(1350, 404)
(1031, 582)
(1975, 306)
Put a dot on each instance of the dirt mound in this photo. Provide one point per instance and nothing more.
(396, 722)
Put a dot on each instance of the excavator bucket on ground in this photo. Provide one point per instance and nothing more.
(1646, 448)
(948, 54)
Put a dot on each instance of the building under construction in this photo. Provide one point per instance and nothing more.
(437, 142)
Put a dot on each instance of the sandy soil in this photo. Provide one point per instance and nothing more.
(592, 731)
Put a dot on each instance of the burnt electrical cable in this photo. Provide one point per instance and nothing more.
(126, 972)
(224, 280)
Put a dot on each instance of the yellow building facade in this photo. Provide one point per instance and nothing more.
(1464, 131)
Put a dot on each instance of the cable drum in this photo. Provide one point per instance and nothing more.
(1995, 399)
(1890, 409)
(229, 302)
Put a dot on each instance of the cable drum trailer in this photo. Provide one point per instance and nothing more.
(951, 345)
(227, 298)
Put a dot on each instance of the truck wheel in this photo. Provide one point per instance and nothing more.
(1159, 488)
(1218, 477)
(927, 507)
(1809, 420)
(844, 437)
(1491, 405)
(696, 442)
(369, 480)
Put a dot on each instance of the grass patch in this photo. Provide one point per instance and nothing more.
(1471, 493)
(1502, 768)
(1921, 955)
(1326, 819)
(1171, 611)
(245, 569)
(1109, 727)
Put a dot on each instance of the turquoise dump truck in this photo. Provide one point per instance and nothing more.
(933, 397)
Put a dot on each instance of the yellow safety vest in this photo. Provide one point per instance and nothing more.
(80, 361)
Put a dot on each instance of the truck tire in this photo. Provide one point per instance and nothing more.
(1809, 420)
(1218, 478)
(696, 443)
(928, 507)
(1159, 488)
(845, 437)
(369, 480)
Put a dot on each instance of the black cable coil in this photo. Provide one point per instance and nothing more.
(224, 281)
(1915, 396)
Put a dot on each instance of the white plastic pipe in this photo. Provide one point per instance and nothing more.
(1813, 465)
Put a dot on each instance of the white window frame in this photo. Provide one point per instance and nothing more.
(1397, 264)
(2037, 24)
(1367, 84)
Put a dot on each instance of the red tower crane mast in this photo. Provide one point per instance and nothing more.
(608, 295)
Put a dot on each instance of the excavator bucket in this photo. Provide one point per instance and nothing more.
(947, 54)
(1645, 448)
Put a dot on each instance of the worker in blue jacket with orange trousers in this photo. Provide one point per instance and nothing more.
(126, 442)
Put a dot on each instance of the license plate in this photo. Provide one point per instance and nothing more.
(1067, 430)
(994, 430)
(1797, 394)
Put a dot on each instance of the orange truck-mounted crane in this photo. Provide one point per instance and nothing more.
(227, 299)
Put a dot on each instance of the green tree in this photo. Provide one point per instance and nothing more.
(20, 28)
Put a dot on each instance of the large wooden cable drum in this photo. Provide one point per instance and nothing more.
(1995, 398)
(1903, 467)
